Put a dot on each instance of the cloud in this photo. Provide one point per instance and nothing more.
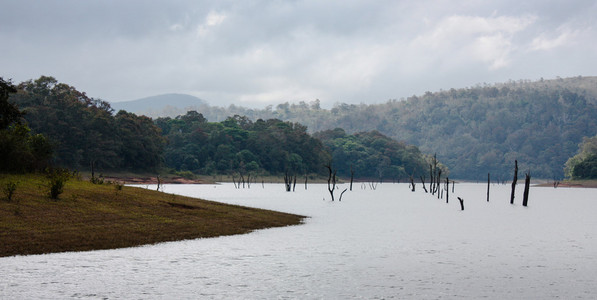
(547, 42)
(482, 39)
(213, 19)
(265, 52)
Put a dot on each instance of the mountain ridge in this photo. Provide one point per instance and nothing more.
(154, 104)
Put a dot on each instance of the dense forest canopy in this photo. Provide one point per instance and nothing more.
(372, 155)
(238, 144)
(473, 130)
(85, 132)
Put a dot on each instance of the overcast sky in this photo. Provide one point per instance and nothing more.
(256, 53)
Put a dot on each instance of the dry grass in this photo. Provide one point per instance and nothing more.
(89, 217)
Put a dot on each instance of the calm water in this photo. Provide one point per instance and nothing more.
(383, 243)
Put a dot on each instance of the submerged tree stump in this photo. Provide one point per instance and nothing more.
(447, 188)
(514, 181)
(423, 183)
(412, 184)
(488, 180)
(461, 203)
(351, 176)
(527, 183)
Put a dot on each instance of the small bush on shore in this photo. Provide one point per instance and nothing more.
(9, 189)
(57, 178)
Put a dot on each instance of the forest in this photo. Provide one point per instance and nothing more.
(239, 145)
(473, 130)
(373, 155)
(547, 126)
(84, 132)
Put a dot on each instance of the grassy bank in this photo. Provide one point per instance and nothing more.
(107, 216)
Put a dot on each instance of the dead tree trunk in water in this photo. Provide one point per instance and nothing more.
(488, 180)
(439, 175)
(340, 199)
(351, 176)
(287, 181)
(412, 184)
(331, 180)
(461, 203)
(431, 179)
(514, 181)
(527, 182)
(423, 182)
(306, 181)
(447, 189)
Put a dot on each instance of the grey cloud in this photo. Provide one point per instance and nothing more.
(261, 52)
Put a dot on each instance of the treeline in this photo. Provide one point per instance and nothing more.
(238, 144)
(83, 131)
(473, 130)
(71, 130)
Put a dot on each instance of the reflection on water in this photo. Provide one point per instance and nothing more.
(387, 243)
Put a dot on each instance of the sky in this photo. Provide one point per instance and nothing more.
(259, 53)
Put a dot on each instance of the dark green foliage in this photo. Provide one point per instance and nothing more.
(473, 130)
(9, 190)
(583, 164)
(20, 150)
(9, 113)
(57, 178)
(238, 144)
(372, 155)
(586, 169)
(84, 131)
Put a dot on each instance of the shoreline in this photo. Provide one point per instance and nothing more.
(89, 217)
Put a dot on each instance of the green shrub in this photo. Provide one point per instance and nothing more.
(9, 189)
(57, 178)
(185, 174)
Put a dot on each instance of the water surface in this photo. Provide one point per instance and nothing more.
(383, 243)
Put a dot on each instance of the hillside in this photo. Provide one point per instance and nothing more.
(473, 130)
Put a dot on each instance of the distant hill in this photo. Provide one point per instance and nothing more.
(474, 131)
(161, 105)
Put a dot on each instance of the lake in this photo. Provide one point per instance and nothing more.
(375, 244)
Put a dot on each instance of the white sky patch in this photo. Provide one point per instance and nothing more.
(213, 19)
(493, 49)
(545, 42)
(487, 40)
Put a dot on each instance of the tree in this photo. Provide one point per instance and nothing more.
(83, 130)
(21, 151)
(9, 113)
(581, 165)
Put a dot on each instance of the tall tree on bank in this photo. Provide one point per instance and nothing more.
(83, 130)
(20, 150)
